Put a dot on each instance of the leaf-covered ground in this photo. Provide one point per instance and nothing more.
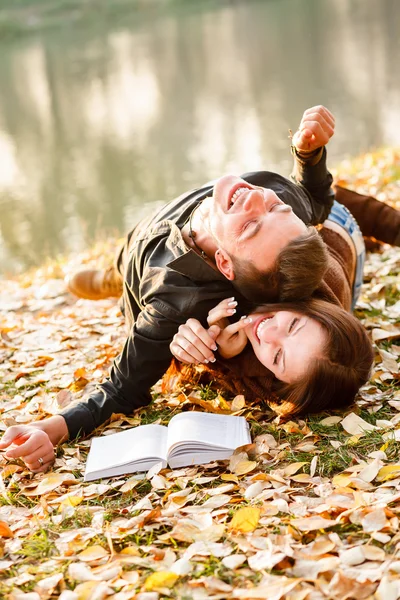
(310, 511)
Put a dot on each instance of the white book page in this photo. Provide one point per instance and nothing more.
(134, 445)
(197, 429)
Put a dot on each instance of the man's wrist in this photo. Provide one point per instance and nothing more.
(311, 157)
(55, 427)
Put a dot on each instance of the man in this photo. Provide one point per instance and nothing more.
(183, 261)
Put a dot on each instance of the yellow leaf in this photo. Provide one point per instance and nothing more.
(388, 472)
(341, 480)
(92, 553)
(245, 519)
(81, 372)
(245, 466)
(70, 501)
(293, 468)
(85, 590)
(227, 477)
(222, 403)
(301, 478)
(160, 580)
(353, 440)
(130, 550)
(10, 470)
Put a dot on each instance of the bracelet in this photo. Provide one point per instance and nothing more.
(305, 153)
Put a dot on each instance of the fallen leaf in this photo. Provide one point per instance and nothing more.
(312, 523)
(293, 468)
(374, 521)
(92, 553)
(355, 425)
(5, 531)
(245, 519)
(238, 403)
(159, 580)
(49, 483)
(388, 472)
(233, 561)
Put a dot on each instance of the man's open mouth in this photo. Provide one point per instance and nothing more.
(235, 194)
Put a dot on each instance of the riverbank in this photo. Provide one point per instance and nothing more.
(310, 512)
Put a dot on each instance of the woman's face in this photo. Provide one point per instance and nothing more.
(286, 342)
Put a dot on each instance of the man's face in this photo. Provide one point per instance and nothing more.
(251, 223)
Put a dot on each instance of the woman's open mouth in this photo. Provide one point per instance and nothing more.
(260, 324)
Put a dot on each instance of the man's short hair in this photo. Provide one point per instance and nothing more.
(296, 274)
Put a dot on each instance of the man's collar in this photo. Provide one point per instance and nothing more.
(193, 266)
(188, 262)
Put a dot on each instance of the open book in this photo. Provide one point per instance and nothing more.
(191, 438)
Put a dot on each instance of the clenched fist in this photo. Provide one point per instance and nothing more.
(316, 128)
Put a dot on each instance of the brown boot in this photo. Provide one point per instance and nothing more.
(95, 285)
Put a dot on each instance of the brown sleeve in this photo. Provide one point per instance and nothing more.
(336, 286)
(376, 219)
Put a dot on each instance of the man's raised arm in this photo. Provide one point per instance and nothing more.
(316, 128)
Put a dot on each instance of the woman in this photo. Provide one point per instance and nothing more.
(305, 357)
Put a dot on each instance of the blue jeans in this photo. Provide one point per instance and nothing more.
(342, 216)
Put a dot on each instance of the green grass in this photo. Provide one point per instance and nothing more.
(37, 546)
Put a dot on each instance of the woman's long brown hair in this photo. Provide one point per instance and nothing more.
(330, 382)
(333, 380)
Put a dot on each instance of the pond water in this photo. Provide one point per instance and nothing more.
(96, 128)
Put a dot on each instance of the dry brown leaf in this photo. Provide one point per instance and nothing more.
(293, 468)
(355, 425)
(240, 464)
(312, 523)
(92, 553)
(374, 521)
(51, 482)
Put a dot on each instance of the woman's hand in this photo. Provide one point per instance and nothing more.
(220, 313)
(35, 441)
(232, 338)
(316, 128)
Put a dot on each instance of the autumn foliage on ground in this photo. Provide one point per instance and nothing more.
(309, 511)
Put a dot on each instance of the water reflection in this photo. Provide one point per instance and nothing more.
(93, 130)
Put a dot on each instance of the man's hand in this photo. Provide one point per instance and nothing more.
(315, 130)
(34, 442)
(30, 444)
